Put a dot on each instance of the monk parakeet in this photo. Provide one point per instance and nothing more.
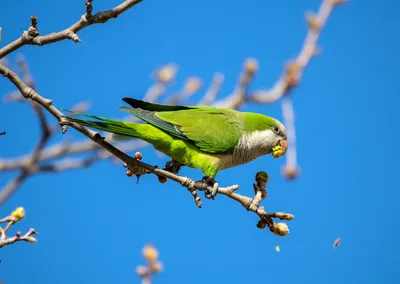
(202, 137)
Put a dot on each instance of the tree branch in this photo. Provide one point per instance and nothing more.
(164, 77)
(31, 36)
(134, 165)
(16, 216)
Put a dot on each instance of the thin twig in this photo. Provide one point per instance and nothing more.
(32, 35)
(12, 219)
(294, 70)
(213, 90)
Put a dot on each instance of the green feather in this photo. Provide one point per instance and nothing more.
(203, 126)
(106, 124)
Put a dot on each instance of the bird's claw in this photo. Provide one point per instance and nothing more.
(211, 182)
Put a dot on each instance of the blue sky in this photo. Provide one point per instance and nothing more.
(94, 222)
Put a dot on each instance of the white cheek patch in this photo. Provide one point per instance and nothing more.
(254, 145)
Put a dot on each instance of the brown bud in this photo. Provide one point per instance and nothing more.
(336, 243)
(141, 271)
(293, 68)
(262, 176)
(280, 229)
(156, 267)
(251, 65)
(162, 179)
(129, 173)
(313, 21)
(290, 172)
(261, 224)
(138, 156)
(291, 81)
(166, 73)
(193, 84)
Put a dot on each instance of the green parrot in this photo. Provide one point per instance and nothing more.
(202, 137)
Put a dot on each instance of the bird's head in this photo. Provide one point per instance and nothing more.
(265, 135)
(279, 139)
(278, 130)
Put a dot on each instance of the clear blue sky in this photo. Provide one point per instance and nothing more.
(93, 223)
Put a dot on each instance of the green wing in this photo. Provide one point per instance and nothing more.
(213, 130)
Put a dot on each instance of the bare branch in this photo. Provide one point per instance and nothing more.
(238, 97)
(13, 185)
(2, 133)
(294, 70)
(134, 165)
(213, 90)
(16, 216)
(153, 267)
(32, 35)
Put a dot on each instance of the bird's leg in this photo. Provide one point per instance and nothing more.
(211, 182)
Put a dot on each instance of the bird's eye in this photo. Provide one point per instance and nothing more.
(276, 129)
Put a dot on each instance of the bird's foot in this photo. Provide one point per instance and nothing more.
(173, 167)
(211, 182)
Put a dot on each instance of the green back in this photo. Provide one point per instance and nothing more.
(213, 130)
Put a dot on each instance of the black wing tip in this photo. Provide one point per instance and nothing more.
(132, 102)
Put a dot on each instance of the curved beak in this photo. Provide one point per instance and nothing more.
(284, 144)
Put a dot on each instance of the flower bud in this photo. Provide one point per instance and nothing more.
(280, 229)
(138, 156)
(261, 224)
(290, 172)
(30, 239)
(166, 73)
(129, 173)
(251, 65)
(156, 267)
(18, 213)
(193, 84)
(141, 271)
(262, 177)
(150, 253)
(162, 179)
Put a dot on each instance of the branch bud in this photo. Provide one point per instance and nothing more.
(150, 253)
(156, 267)
(138, 156)
(18, 213)
(251, 65)
(193, 84)
(262, 178)
(166, 74)
(261, 224)
(313, 22)
(141, 271)
(291, 172)
(280, 229)
(30, 239)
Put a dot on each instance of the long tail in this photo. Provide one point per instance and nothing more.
(109, 125)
